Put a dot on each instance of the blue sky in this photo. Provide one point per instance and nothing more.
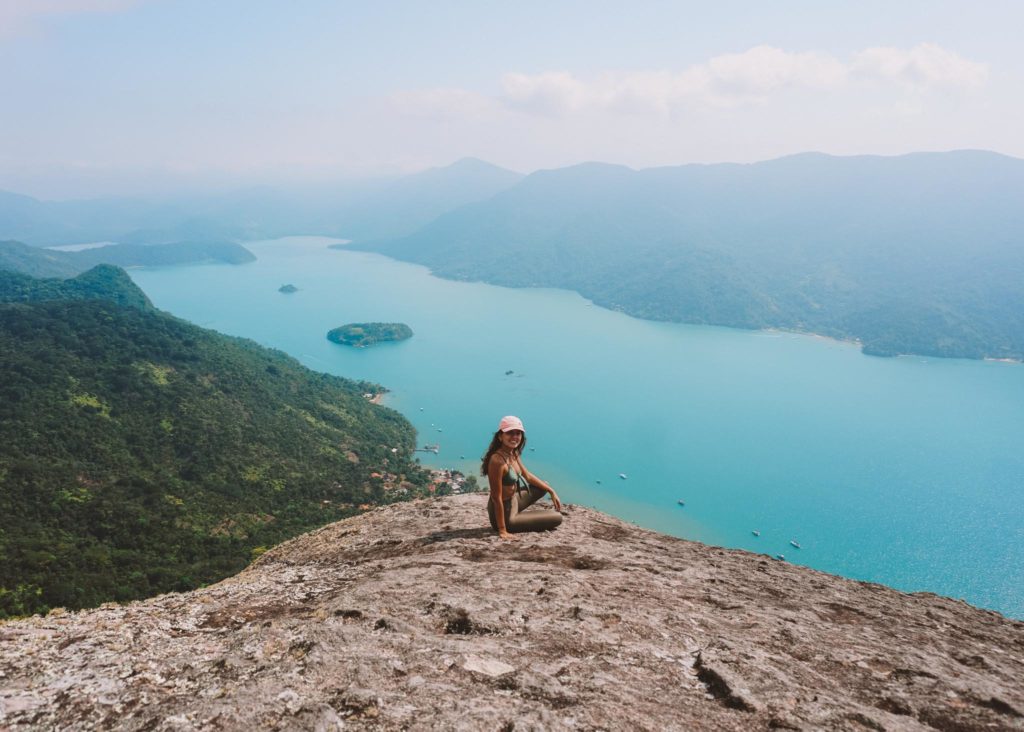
(123, 96)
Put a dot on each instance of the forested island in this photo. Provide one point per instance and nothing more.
(362, 335)
(141, 454)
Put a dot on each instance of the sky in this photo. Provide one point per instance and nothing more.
(103, 97)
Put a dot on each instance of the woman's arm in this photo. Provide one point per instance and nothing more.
(495, 472)
(538, 483)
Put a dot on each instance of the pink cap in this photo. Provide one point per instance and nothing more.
(507, 424)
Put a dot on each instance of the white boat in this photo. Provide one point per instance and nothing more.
(623, 476)
(795, 543)
(755, 532)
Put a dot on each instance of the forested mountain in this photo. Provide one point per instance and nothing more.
(921, 253)
(141, 454)
(102, 282)
(39, 262)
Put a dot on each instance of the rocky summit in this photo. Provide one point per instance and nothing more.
(416, 616)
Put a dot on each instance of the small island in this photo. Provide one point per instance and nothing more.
(362, 335)
(288, 289)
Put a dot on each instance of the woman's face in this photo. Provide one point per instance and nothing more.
(511, 440)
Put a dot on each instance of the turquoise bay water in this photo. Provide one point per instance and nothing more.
(905, 471)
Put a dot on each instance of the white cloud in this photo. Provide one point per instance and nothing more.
(924, 65)
(736, 79)
(552, 92)
(764, 69)
(18, 16)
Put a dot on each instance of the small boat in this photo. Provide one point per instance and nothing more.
(532, 449)
(781, 556)
(509, 372)
(681, 503)
(795, 543)
(755, 532)
(623, 476)
(421, 409)
(599, 482)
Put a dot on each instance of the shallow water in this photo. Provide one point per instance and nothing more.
(906, 471)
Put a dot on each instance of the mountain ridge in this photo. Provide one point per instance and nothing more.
(910, 254)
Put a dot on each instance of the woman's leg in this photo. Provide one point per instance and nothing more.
(517, 520)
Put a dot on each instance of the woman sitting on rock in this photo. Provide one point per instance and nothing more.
(513, 487)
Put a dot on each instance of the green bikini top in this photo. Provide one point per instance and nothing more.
(511, 477)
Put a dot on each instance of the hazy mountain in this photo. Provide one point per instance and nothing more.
(362, 210)
(51, 223)
(415, 200)
(920, 253)
(141, 454)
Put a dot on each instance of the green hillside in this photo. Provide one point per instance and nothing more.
(104, 282)
(37, 262)
(141, 454)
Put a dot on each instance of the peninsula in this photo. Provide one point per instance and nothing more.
(362, 335)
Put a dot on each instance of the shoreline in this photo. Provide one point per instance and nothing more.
(853, 341)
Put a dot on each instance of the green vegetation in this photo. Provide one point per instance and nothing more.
(101, 282)
(141, 454)
(914, 254)
(362, 335)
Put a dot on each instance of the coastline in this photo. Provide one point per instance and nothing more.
(853, 340)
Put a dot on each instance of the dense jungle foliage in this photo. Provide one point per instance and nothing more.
(104, 282)
(141, 454)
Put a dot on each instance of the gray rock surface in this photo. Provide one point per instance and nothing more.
(415, 616)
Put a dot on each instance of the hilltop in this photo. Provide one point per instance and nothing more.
(414, 616)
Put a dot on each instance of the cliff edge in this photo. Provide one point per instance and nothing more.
(415, 616)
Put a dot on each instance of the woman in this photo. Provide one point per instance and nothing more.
(513, 487)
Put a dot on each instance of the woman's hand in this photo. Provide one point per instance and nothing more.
(507, 536)
(555, 501)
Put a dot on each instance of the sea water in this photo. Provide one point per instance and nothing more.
(906, 471)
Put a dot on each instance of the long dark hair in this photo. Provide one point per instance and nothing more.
(495, 445)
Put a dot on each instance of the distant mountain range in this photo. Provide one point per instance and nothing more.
(919, 254)
(361, 210)
(141, 454)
